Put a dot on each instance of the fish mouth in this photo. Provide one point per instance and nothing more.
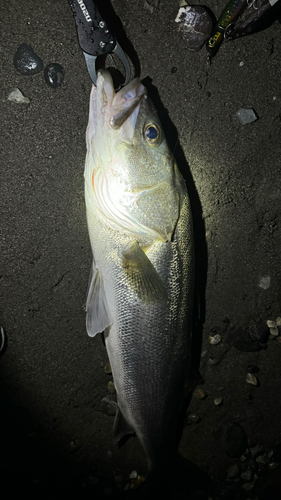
(123, 104)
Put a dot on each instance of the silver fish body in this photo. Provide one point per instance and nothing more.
(141, 283)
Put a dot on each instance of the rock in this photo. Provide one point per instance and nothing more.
(274, 331)
(233, 471)
(218, 401)
(26, 61)
(248, 486)
(273, 465)
(199, 393)
(215, 339)
(278, 321)
(108, 406)
(133, 475)
(239, 338)
(247, 475)
(263, 459)
(54, 75)
(271, 324)
(256, 451)
(195, 24)
(107, 368)
(111, 387)
(17, 96)
(236, 439)
(193, 418)
(252, 379)
(259, 333)
(246, 115)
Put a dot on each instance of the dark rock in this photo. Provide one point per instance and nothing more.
(276, 457)
(260, 333)
(174, 70)
(239, 338)
(253, 369)
(108, 406)
(195, 24)
(26, 61)
(54, 75)
(236, 440)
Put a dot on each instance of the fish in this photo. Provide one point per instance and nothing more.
(140, 291)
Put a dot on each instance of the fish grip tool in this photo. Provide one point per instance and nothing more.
(95, 38)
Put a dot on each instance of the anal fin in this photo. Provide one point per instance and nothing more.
(98, 314)
(121, 428)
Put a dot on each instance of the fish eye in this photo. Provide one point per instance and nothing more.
(152, 134)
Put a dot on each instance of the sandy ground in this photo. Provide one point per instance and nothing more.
(54, 437)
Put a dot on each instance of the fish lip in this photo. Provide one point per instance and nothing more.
(117, 120)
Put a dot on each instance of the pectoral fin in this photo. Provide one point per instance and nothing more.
(121, 428)
(142, 275)
(98, 314)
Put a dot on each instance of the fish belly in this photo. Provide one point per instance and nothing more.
(148, 344)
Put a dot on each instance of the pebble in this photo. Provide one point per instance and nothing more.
(208, 234)
(199, 393)
(247, 475)
(279, 339)
(136, 482)
(233, 471)
(212, 361)
(273, 465)
(193, 418)
(274, 331)
(215, 339)
(271, 324)
(246, 115)
(26, 61)
(256, 451)
(108, 406)
(111, 387)
(241, 339)
(107, 368)
(133, 475)
(17, 96)
(218, 401)
(54, 75)
(252, 379)
(278, 321)
(259, 333)
(195, 25)
(248, 486)
(263, 459)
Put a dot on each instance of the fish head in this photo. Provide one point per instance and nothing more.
(130, 172)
